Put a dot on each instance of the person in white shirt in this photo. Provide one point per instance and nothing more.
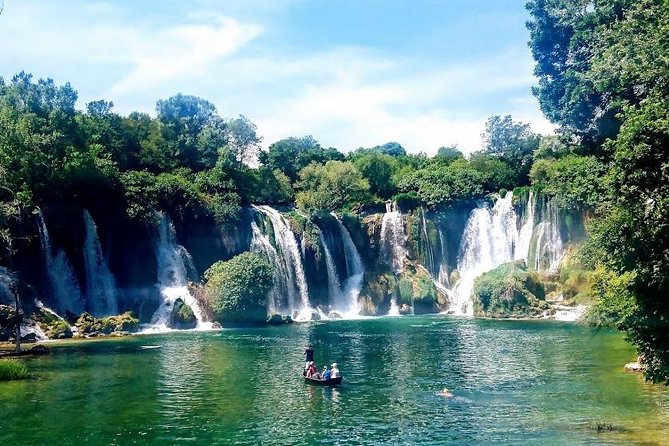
(334, 371)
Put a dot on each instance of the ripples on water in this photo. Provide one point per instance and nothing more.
(514, 383)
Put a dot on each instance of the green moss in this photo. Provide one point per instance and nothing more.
(509, 291)
(13, 369)
(88, 324)
(182, 316)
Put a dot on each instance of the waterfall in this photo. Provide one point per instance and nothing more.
(172, 262)
(289, 261)
(100, 284)
(526, 231)
(442, 276)
(549, 248)
(334, 286)
(260, 243)
(393, 238)
(355, 270)
(490, 239)
(62, 280)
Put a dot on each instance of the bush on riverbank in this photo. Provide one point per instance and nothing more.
(12, 369)
(236, 290)
(509, 291)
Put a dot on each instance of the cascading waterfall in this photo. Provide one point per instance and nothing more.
(62, 280)
(489, 240)
(172, 262)
(549, 248)
(355, 270)
(288, 254)
(442, 276)
(334, 286)
(100, 283)
(526, 231)
(393, 244)
(393, 238)
(260, 243)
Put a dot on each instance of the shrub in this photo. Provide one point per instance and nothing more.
(236, 289)
(11, 369)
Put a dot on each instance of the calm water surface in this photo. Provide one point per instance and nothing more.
(515, 382)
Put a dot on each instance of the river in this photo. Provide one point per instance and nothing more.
(514, 382)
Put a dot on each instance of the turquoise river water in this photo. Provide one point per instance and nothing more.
(514, 382)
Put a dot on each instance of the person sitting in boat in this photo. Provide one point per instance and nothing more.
(308, 356)
(334, 371)
(311, 370)
(326, 373)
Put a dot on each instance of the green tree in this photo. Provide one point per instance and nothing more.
(236, 290)
(242, 139)
(330, 186)
(192, 130)
(378, 169)
(604, 77)
(292, 154)
(513, 142)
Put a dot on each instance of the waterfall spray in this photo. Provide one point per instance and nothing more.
(288, 253)
(172, 262)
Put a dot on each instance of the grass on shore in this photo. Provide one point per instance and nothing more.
(11, 369)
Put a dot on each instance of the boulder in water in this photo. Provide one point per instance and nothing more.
(91, 326)
(182, 316)
(279, 319)
(509, 291)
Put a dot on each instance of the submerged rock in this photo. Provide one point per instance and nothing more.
(279, 319)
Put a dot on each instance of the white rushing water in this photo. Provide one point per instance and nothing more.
(293, 279)
(172, 260)
(492, 237)
(260, 243)
(335, 295)
(355, 271)
(393, 238)
(100, 283)
(549, 248)
(62, 280)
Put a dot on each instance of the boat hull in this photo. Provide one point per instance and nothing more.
(323, 382)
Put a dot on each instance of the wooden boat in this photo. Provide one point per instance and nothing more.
(323, 382)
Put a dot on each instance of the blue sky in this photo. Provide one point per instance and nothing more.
(424, 73)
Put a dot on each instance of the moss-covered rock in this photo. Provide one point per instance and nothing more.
(52, 325)
(182, 316)
(236, 290)
(509, 291)
(92, 326)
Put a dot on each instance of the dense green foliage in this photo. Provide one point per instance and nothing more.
(236, 289)
(11, 369)
(604, 78)
(509, 291)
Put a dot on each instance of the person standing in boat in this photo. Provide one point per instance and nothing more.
(308, 356)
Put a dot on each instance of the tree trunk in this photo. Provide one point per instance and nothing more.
(18, 317)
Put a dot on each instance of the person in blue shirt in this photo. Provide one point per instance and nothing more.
(326, 373)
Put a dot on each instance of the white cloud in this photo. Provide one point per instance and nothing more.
(345, 96)
(184, 50)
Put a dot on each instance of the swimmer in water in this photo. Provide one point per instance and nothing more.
(445, 393)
